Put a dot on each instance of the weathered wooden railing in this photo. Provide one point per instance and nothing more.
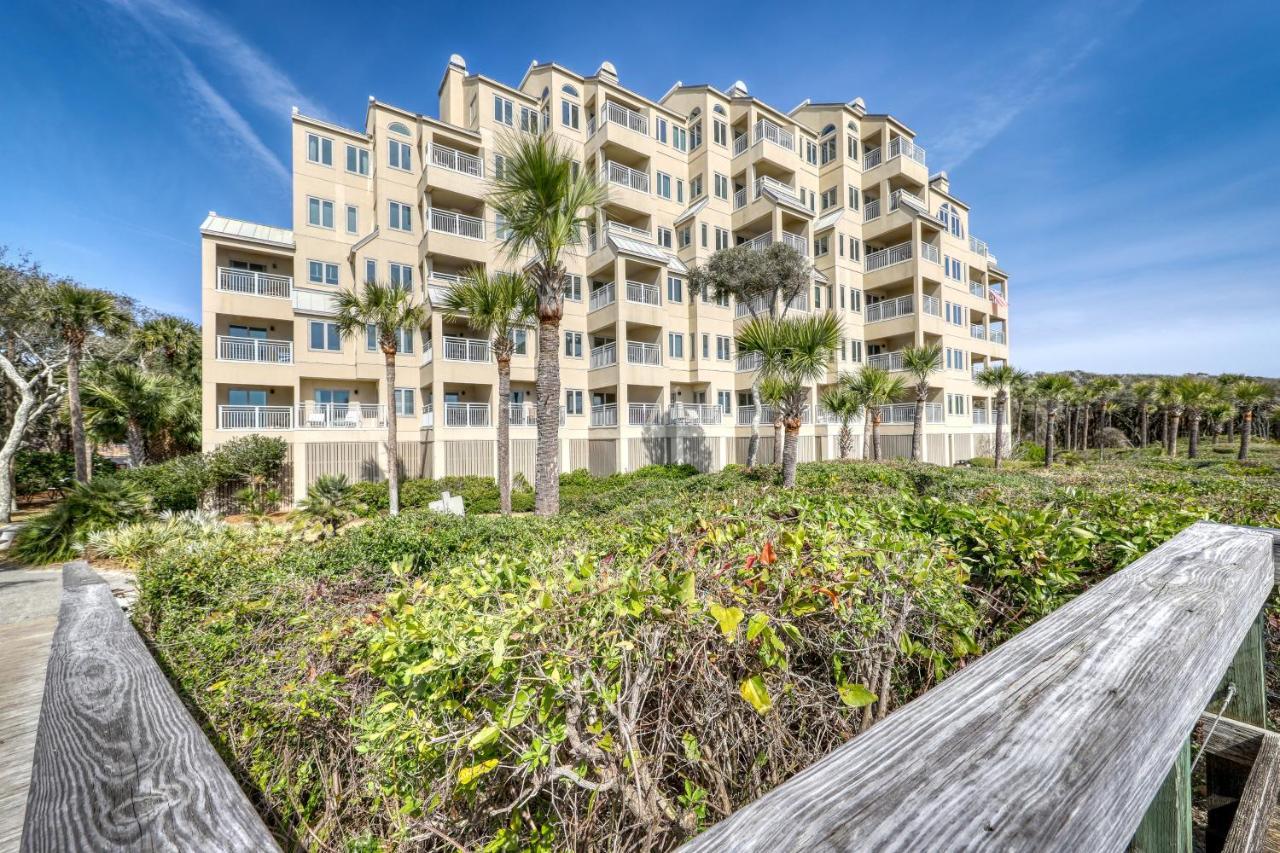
(1072, 736)
(119, 763)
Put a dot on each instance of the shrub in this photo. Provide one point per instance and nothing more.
(329, 502)
(247, 459)
(178, 484)
(36, 471)
(60, 533)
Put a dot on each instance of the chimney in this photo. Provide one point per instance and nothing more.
(940, 183)
(453, 108)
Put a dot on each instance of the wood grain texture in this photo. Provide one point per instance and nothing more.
(1231, 739)
(1258, 800)
(1166, 826)
(119, 763)
(1056, 741)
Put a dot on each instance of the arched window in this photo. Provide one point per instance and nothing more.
(719, 110)
(546, 93)
(831, 128)
(397, 127)
(569, 90)
(950, 217)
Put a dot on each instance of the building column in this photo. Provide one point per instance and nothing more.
(917, 279)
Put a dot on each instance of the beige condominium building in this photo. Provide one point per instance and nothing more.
(648, 370)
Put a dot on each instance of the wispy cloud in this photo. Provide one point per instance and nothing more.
(1027, 77)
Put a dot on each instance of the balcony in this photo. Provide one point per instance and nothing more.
(903, 306)
(740, 197)
(904, 198)
(341, 415)
(898, 254)
(929, 252)
(428, 416)
(602, 297)
(448, 222)
(979, 332)
(466, 414)
(795, 241)
(644, 414)
(903, 147)
(616, 173)
(456, 161)
(978, 289)
(526, 414)
(694, 414)
(787, 191)
(905, 413)
(254, 349)
(886, 360)
(428, 352)
(604, 356)
(313, 301)
(997, 336)
(641, 353)
(871, 210)
(466, 349)
(604, 416)
(747, 413)
(758, 306)
(257, 418)
(645, 294)
(749, 362)
(980, 416)
(769, 132)
(254, 283)
(978, 247)
(799, 302)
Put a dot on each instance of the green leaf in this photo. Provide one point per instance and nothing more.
(754, 691)
(688, 590)
(729, 619)
(856, 696)
(484, 737)
(692, 751)
(499, 652)
(467, 775)
(756, 625)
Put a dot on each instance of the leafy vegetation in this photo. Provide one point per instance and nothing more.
(59, 534)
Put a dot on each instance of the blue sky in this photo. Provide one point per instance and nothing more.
(1121, 158)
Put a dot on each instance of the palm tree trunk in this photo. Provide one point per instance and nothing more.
(1175, 419)
(753, 443)
(779, 441)
(792, 440)
(867, 418)
(1050, 415)
(504, 435)
(846, 439)
(1000, 404)
(393, 445)
(1193, 441)
(875, 436)
(917, 426)
(1084, 431)
(78, 445)
(1246, 429)
(137, 444)
(1143, 437)
(546, 476)
(1164, 429)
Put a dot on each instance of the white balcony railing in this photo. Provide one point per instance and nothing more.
(929, 252)
(757, 306)
(997, 336)
(978, 289)
(740, 198)
(745, 414)
(905, 413)
(871, 158)
(775, 186)
(254, 349)
(888, 257)
(526, 414)
(254, 283)
(314, 301)
(979, 332)
(749, 362)
(628, 118)
(465, 349)
(799, 302)
(702, 414)
(646, 294)
(312, 415)
(428, 352)
(980, 416)
(977, 246)
(602, 296)
(871, 210)
(890, 309)
(771, 132)
(629, 230)
(797, 242)
(604, 416)
(899, 198)
(616, 173)
(428, 416)
(643, 414)
(641, 353)
(740, 143)
(255, 417)
(932, 305)
(466, 414)
(457, 161)
(604, 355)
(903, 147)
(448, 222)
(886, 360)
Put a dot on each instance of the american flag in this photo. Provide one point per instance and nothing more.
(997, 299)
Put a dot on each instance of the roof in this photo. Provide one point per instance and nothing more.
(785, 198)
(223, 226)
(692, 209)
(646, 250)
(827, 220)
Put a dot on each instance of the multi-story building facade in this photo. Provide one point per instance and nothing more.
(648, 369)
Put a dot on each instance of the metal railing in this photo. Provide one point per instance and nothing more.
(978, 289)
(254, 349)
(428, 352)
(903, 147)
(628, 118)
(466, 414)
(457, 161)
(910, 199)
(759, 305)
(977, 246)
(428, 415)
(888, 257)
(465, 349)
(602, 296)
(749, 362)
(871, 210)
(629, 230)
(255, 417)
(526, 414)
(705, 414)
(642, 353)
(646, 294)
(616, 173)
(886, 360)
(795, 241)
(764, 181)
(604, 355)
(254, 283)
(606, 415)
(980, 416)
(979, 332)
(312, 415)
(746, 413)
(448, 222)
(929, 252)
(889, 309)
(740, 198)
(799, 302)
(740, 143)
(871, 158)
(643, 414)
(997, 336)
(905, 413)
(770, 132)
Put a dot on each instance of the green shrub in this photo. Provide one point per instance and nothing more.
(60, 533)
(36, 471)
(251, 457)
(178, 484)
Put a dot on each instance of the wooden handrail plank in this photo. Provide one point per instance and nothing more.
(1231, 739)
(1257, 801)
(119, 762)
(1056, 741)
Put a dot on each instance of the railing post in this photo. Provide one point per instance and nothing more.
(1166, 827)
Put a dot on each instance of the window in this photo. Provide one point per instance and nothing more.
(353, 219)
(401, 218)
(957, 404)
(950, 217)
(572, 401)
(404, 402)
(679, 138)
(827, 148)
(319, 149)
(954, 314)
(322, 273)
(686, 236)
(569, 114)
(664, 237)
(855, 299)
(721, 185)
(357, 160)
(573, 344)
(664, 184)
(821, 245)
(719, 132)
(706, 346)
(851, 147)
(695, 187)
(660, 130)
(855, 351)
(810, 152)
(499, 165)
(397, 127)
(725, 399)
(404, 339)
(401, 155)
(854, 196)
(724, 347)
(954, 268)
(324, 336)
(855, 249)
(258, 332)
(370, 270)
(675, 289)
(679, 190)
(722, 299)
(502, 110)
(956, 359)
(704, 235)
(319, 212)
(500, 226)
(722, 239)
(528, 119)
(695, 136)
(817, 297)
(573, 288)
(402, 276)
(675, 344)
(246, 397)
(520, 341)
(829, 198)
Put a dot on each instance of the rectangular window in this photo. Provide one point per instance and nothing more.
(573, 288)
(695, 136)
(401, 155)
(720, 132)
(319, 212)
(502, 111)
(855, 249)
(855, 299)
(686, 236)
(827, 150)
(660, 130)
(357, 160)
(724, 347)
(573, 344)
(722, 238)
(353, 219)
(370, 270)
(675, 289)
(404, 398)
(401, 276)
(319, 149)
(828, 198)
(247, 396)
(725, 399)
(401, 216)
(852, 147)
(706, 346)
(855, 351)
(664, 237)
(817, 297)
(572, 401)
(695, 187)
(821, 245)
(722, 299)
(675, 344)
(721, 185)
(319, 272)
(704, 235)
(520, 341)
(569, 114)
(664, 184)
(679, 138)
(325, 336)
(810, 152)
(853, 198)
(679, 190)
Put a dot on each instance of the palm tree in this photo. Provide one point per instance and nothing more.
(1104, 390)
(329, 502)
(845, 403)
(173, 340)
(877, 387)
(1143, 392)
(1167, 398)
(76, 313)
(497, 305)
(1196, 394)
(1248, 395)
(1052, 388)
(546, 203)
(794, 353)
(124, 400)
(770, 391)
(1217, 414)
(1000, 378)
(388, 308)
(920, 363)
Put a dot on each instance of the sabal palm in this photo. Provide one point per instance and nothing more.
(1167, 396)
(770, 391)
(999, 379)
(876, 387)
(1217, 413)
(546, 203)
(795, 353)
(1143, 393)
(388, 308)
(1195, 394)
(124, 400)
(497, 305)
(1018, 394)
(76, 313)
(844, 404)
(920, 363)
(1249, 396)
(173, 340)
(1052, 388)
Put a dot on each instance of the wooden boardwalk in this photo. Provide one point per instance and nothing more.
(28, 615)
